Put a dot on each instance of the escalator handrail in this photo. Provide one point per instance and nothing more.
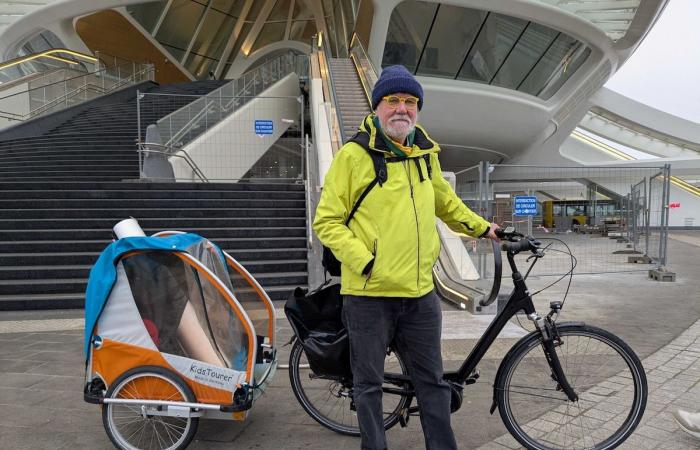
(326, 50)
(357, 51)
(497, 272)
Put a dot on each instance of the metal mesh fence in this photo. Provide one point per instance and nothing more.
(658, 216)
(603, 214)
(261, 139)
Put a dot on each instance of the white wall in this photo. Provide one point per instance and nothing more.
(230, 148)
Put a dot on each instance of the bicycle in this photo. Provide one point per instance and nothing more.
(585, 389)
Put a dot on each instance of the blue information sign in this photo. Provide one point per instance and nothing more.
(263, 127)
(524, 205)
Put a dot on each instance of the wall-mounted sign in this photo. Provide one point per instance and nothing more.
(674, 205)
(263, 127)
(524, 205)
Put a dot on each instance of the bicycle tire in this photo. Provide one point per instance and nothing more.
(611, 402)
(340, 390)
(125, 425)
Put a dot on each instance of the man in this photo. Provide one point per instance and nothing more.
(387, 252)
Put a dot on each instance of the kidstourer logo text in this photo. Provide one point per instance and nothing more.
(210, 373)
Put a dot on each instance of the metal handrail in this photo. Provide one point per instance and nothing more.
(148, 69)
(188, 159)
(249, 81)
(103, 69)
(48, 53)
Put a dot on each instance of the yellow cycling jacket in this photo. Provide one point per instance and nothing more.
(395, 224)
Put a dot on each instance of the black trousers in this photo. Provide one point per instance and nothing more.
(415, 325)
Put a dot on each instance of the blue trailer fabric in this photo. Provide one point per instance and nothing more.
(103, 274)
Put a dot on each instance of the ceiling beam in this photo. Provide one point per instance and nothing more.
(233, 38)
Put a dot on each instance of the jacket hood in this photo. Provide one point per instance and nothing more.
(422, 143)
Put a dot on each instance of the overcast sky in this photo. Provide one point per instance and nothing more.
(664, 72)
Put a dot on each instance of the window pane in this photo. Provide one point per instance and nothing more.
(214, 34)
(230, 7)
(280, 11)
(302, 30)
(200, 65)
(546, 69)
(496, 39)
(179, 24)
(176, 52)
(532, 45)
(302, 11)
(568, 67)
(146, 14)
(408, 31)
(271, 32)
(452, 35)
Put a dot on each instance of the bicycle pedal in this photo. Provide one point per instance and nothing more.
(471, 379)
(403, 418)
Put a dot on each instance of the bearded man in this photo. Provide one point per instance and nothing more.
(387, 252)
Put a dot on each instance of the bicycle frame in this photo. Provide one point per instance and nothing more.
(518, 300)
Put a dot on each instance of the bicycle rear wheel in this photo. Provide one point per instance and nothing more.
(605, 373)
(328, 401)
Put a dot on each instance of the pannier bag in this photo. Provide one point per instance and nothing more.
(316, 320)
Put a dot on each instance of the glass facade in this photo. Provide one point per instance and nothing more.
(200, 33)
(612, 17)
(445, 41)
(197, 32)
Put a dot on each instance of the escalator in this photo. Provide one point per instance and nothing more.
(346, 89)
(351, 102)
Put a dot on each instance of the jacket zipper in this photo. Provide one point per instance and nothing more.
(372, 270)
(415, 213)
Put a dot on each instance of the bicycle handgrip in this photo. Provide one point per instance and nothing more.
(517, 247)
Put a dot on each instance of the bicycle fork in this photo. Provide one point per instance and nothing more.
(550, 340)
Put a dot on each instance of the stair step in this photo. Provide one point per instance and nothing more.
(140, 185)
(160, 203)
(106, 233)
(77, 300)
(81, 258)
(120, 213)
(15, 247)
(154, 195)
(155, 223)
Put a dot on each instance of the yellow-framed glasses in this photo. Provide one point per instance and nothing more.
(393, 101)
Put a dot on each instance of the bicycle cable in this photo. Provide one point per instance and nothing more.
(570, 273)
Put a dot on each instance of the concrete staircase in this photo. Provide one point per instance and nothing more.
(351, 98)
(62, 192)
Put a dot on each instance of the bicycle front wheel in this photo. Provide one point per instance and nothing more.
(606, 375)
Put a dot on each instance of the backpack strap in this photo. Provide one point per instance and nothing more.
(380, 174)
(420, 171)
(426, 157)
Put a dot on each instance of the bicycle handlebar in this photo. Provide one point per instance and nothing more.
(515, 243)
(519, 246)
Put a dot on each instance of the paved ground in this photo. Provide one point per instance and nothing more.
(41, 371)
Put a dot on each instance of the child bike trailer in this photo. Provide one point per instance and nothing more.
(175, 330)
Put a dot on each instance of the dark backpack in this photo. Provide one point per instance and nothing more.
(329, 261)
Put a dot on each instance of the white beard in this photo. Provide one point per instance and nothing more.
(398, 130)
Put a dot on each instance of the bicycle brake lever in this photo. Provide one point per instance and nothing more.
(538, 254)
